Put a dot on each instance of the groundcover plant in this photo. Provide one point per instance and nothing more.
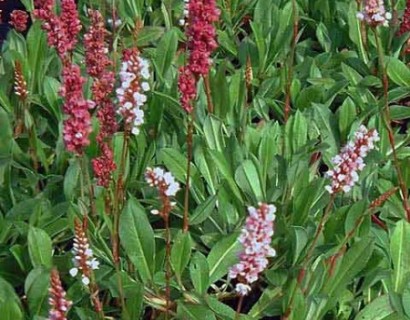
(203, 159)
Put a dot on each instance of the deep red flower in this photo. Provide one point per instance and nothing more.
(96, 50)
(405, 22)
(201, 34)
(61, 30)
(77, 125)
(201, 42)
(19, 19)
(104, 165)
(187, 88)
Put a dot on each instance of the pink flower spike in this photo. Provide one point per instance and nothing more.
(59, 304)
(256, 237)
(350, 161)
(77, 125)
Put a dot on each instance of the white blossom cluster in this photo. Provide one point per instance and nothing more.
(134, 77)
(83, 259)
(162, 180)
(374, 13)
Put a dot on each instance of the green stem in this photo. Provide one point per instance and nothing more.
(291, 60)
(168, 265)
(239, 307)
(302, 272)
(188, 172)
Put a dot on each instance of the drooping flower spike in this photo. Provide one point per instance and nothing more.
(350, 161)
(256, 237)
(374, 13)
(59, 305)
(84, 262)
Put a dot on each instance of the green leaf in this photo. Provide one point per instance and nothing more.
(399, 112)
(347, 114)
(175, 162)
(6, 135)
(199, 271)
(203, 211)
(353, 262)
(296, 131)
(165, 52)
(10, 308)
(39, 248)
(181, 253)
(36, 290)
(354, 30)
(194, 312)
(71, 179)
(400, 254)
(137, 238)
(398, 72)
(268, 298)
(299, 242)
(247, 177)
(213, 133)
(225, 312)
(222, 256)
(223, 167)
(378, 309)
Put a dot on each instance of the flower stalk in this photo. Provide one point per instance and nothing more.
(167, 187)
(385, 113)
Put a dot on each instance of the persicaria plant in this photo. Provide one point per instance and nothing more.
(205, 159)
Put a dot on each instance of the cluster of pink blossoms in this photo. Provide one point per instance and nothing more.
(58, 303)
(134, 77)
(374, 13)
(201, 43)
(351, 160)
(19, 20)
(77, 125)
(61, 30)
(98, 66)
(256, 240)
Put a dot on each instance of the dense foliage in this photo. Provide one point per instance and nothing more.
(173, 160)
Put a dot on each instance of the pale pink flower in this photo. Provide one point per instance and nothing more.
(374, 13)
(350, 161)
(256, 238)
(59, 304)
